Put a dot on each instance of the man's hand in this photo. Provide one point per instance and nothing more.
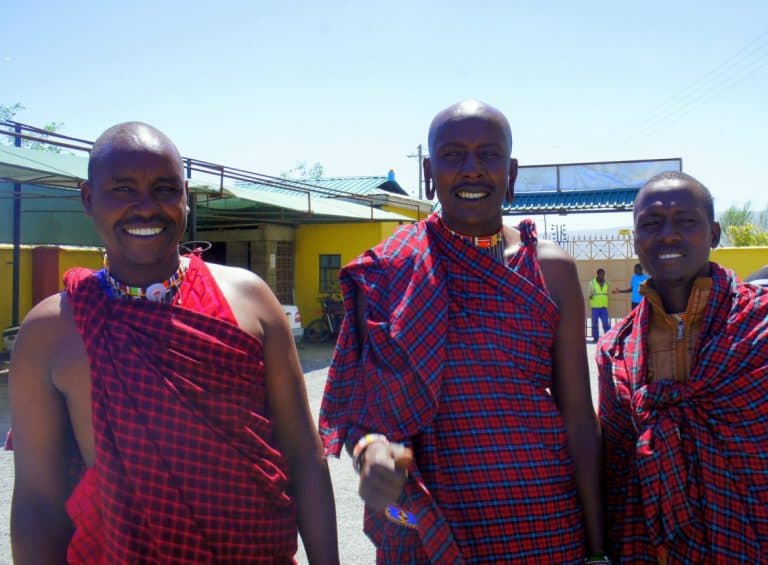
(383, 473)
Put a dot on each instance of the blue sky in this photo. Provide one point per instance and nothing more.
(354, 85)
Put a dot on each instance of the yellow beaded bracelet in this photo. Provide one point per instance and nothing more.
(362, 445)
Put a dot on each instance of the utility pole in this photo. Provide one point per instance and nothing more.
(420, 158)
(16, 238)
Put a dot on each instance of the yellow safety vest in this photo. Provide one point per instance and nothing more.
(599, 294)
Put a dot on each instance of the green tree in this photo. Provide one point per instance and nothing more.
(8, 113)
(747, 235)
(743, 227)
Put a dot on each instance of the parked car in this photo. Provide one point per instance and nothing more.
(294, 320)
(9, 338)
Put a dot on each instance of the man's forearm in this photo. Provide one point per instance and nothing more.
(39, 537)
(316, 512)
(585, 449)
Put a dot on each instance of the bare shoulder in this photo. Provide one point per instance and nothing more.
(49, 320)
(252, 301)
(559, 271)
(235, 278)
(47, 337)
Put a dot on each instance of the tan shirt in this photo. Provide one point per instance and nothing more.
(672, 337)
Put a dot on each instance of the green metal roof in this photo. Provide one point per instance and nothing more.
(572, 201)
(59, 170)
(254, 203)
(28, 166)
(361, 185)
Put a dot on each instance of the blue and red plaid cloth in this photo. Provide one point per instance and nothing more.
(185, 468)
(687, 463)
(457, 364)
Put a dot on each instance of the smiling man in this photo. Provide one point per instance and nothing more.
(460, 382)
(683, 391)
(158, 407)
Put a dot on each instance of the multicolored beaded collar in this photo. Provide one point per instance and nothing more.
(492, 245)
(483, 241)
(164, 291)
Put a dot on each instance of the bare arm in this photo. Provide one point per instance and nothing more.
(571, 389)
(40, 527)
(296, 433)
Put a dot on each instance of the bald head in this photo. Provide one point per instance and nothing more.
(677, 179)
(129, 136)
(469, 109)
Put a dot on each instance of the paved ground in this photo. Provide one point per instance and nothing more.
(354, 546)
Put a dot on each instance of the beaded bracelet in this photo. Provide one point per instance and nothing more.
(362, 445)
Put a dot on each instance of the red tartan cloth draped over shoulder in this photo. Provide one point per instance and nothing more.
(185, 468)
(457, 364)
(687, 471)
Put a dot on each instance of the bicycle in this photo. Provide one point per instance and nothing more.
(328, 325)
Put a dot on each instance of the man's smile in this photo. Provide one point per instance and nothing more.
(669, 255)
(467, 195)
(143, 231)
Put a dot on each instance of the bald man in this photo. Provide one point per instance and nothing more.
(460, 382)
(158, 407)
(683, 391)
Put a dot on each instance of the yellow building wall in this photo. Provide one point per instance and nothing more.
(409, 212)
(347, 240)
(6, 284)
(90, 257)
(742, 260)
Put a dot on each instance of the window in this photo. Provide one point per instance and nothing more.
(329, 273)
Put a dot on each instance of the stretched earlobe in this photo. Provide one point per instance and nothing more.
(509, 197)
(429, 190)
(85, 197)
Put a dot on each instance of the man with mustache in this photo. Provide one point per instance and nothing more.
(683, 395)
(460, 380)
(158, 406)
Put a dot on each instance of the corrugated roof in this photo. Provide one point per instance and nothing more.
(253, 202)
(28, 166)
(572, 201)
(363, 186)
(59, 170)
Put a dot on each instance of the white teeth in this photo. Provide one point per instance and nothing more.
(472, 195)
(670, 255)
(143, 232)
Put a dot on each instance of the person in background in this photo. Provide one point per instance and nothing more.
(683, 395)
(638, 278)
(598, 302)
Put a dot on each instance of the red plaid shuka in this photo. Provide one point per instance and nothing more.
(457, 364)
(185, 468)
(687, 463)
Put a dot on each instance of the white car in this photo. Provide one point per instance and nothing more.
(294, 320)
(9, 338)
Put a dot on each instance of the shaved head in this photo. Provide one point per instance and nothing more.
(469, 109)
(682, 179)
(131, 136)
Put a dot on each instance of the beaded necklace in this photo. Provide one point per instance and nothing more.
(164, 291)
(492, 245)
